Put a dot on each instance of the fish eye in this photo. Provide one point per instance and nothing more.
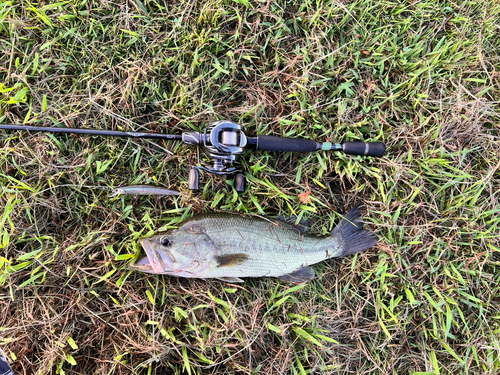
(165, 241)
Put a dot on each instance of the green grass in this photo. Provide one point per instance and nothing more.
(422, 76)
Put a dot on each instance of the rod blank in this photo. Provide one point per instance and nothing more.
(106, 133)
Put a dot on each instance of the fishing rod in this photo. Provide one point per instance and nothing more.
(224, 142)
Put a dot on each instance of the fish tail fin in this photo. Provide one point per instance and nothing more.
(350, 231)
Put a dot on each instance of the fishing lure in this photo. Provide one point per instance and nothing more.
(142, 190)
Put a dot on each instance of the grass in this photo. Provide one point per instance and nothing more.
(422, 76)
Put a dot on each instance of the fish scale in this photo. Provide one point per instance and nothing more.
(231, 246)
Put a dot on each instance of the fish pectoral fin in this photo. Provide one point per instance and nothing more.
(302, 275)
(228, 260)
(230, 279)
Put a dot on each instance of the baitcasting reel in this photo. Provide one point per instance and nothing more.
(223, 142)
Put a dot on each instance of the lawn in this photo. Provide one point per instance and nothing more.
(421, 76)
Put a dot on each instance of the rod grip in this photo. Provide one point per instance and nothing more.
(282, 144)
(364, 148)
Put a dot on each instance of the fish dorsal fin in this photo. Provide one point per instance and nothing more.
(228, 260)
(302, 227)
(230, 279)
(302, 275)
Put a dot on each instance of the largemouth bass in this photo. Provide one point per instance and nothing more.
(230, 246)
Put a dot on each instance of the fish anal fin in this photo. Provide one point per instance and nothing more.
(230, 279)
(228, 260)
(302, 275)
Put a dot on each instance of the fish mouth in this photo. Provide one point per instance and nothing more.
(142, 265)
(152, 263)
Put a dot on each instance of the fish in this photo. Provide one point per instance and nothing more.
(230, 247)
(142, 190)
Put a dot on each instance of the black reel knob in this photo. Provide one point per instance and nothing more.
(194, 179)
(239, 182)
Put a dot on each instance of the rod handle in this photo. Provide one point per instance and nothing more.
(282, 144)
(376, 149)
